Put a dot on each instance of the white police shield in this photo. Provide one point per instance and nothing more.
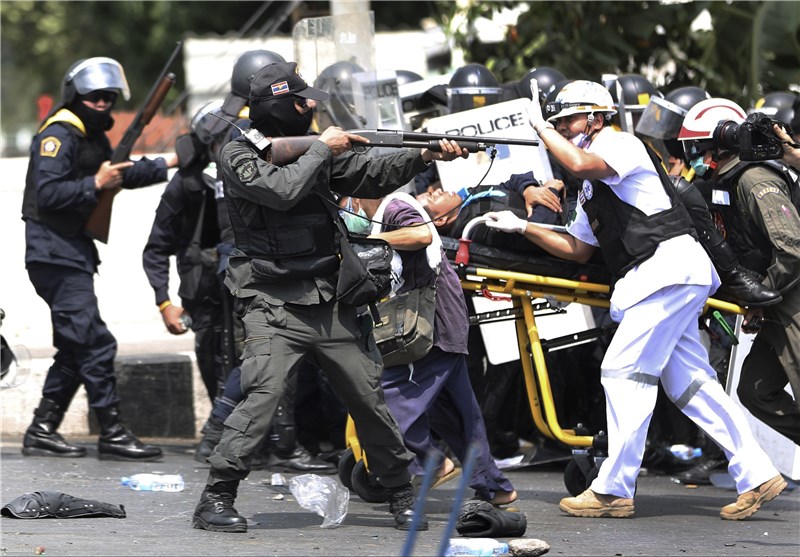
(502, 120)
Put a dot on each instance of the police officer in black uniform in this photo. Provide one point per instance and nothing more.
(186, 227)
(284, 271)
(69, 165)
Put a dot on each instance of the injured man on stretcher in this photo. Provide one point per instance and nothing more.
(523, 198)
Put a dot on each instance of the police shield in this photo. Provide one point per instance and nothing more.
(502, 120)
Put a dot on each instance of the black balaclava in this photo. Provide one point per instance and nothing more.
(278, 117)
(95, 121)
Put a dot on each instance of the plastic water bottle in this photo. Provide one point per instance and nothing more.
(487, 547)
(154, 482)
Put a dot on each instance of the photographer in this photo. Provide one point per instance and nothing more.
(791, 150)
(754, 198)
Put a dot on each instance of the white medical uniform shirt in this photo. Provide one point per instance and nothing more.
(680, 260)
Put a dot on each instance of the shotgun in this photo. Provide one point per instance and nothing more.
(99, 221)
(286, 150)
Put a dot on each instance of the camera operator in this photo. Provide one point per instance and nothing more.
(791, 149)
(754, 198)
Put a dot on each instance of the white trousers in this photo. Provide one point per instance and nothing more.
(659, 339)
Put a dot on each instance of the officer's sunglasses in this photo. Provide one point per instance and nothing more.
(97, 96)
(301, 102)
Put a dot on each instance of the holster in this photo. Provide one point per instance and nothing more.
(52, 504)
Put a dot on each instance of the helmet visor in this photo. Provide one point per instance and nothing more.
(661, 119)
(99, 73)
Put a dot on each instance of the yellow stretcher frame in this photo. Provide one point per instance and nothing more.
(523, 289)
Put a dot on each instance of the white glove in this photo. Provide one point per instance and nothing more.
(535, 118)
(506, 221)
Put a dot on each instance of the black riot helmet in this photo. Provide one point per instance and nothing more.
(545, 77)
(339, 81)
(246, 65)
(472, 86)
(663, 117)
(771, 103)
(406, 76)
(636, 92)
(687, 97)
(94, 74)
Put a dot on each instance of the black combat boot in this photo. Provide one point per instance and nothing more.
(215, 511)
(745, 287)
(283, 450)
(41, 438)
(401, 505)
(740, 284)
(211, 436)
(117, 442)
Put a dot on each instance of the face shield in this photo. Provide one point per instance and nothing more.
(94, 74)
(467, 98)
(661, 119)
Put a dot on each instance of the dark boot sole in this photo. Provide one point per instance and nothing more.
(296, 470)
(233, 529)
(31, 451)
(108, 456)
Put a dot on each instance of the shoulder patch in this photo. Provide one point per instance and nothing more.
(49, 146)
(247, 170)
(767, 189)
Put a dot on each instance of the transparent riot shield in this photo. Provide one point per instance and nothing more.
(337, 53)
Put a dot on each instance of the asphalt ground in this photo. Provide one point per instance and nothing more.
(671, 518)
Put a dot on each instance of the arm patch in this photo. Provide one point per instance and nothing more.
(49, 146)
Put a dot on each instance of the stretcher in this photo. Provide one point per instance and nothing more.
(536, 284)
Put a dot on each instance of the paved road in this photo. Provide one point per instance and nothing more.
(672, 519)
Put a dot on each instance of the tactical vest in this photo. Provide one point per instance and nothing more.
(90, 155)
(751, 245)
(626, 235)
(284, 245)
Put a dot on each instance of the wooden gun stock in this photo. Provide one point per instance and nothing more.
(286, 150)
(99, 222)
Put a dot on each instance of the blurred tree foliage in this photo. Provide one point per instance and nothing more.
(753, 47)
(40, 39)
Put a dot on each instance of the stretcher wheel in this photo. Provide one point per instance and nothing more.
(576, 480)
(365, 486)
(346, 464)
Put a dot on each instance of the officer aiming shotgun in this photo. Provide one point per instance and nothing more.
(281, 151)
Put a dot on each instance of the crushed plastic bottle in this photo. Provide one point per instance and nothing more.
(154, 482)
(484, 547)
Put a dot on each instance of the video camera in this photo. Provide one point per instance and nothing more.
(754, 139)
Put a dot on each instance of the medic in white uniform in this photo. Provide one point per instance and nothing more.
(663, 280)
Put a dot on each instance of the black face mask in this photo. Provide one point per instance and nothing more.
(95, 121)
(280, 118)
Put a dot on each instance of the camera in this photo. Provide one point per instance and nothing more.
(754, 139)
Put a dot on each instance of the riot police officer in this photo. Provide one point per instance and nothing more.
(69, 166)
(186, 227)
(762, 223)
(284, 273)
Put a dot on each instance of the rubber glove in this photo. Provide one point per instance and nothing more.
(506, 221)
(534, 109)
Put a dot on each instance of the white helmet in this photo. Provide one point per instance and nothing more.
(701, 122)
(703, 118)
(580, 96)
